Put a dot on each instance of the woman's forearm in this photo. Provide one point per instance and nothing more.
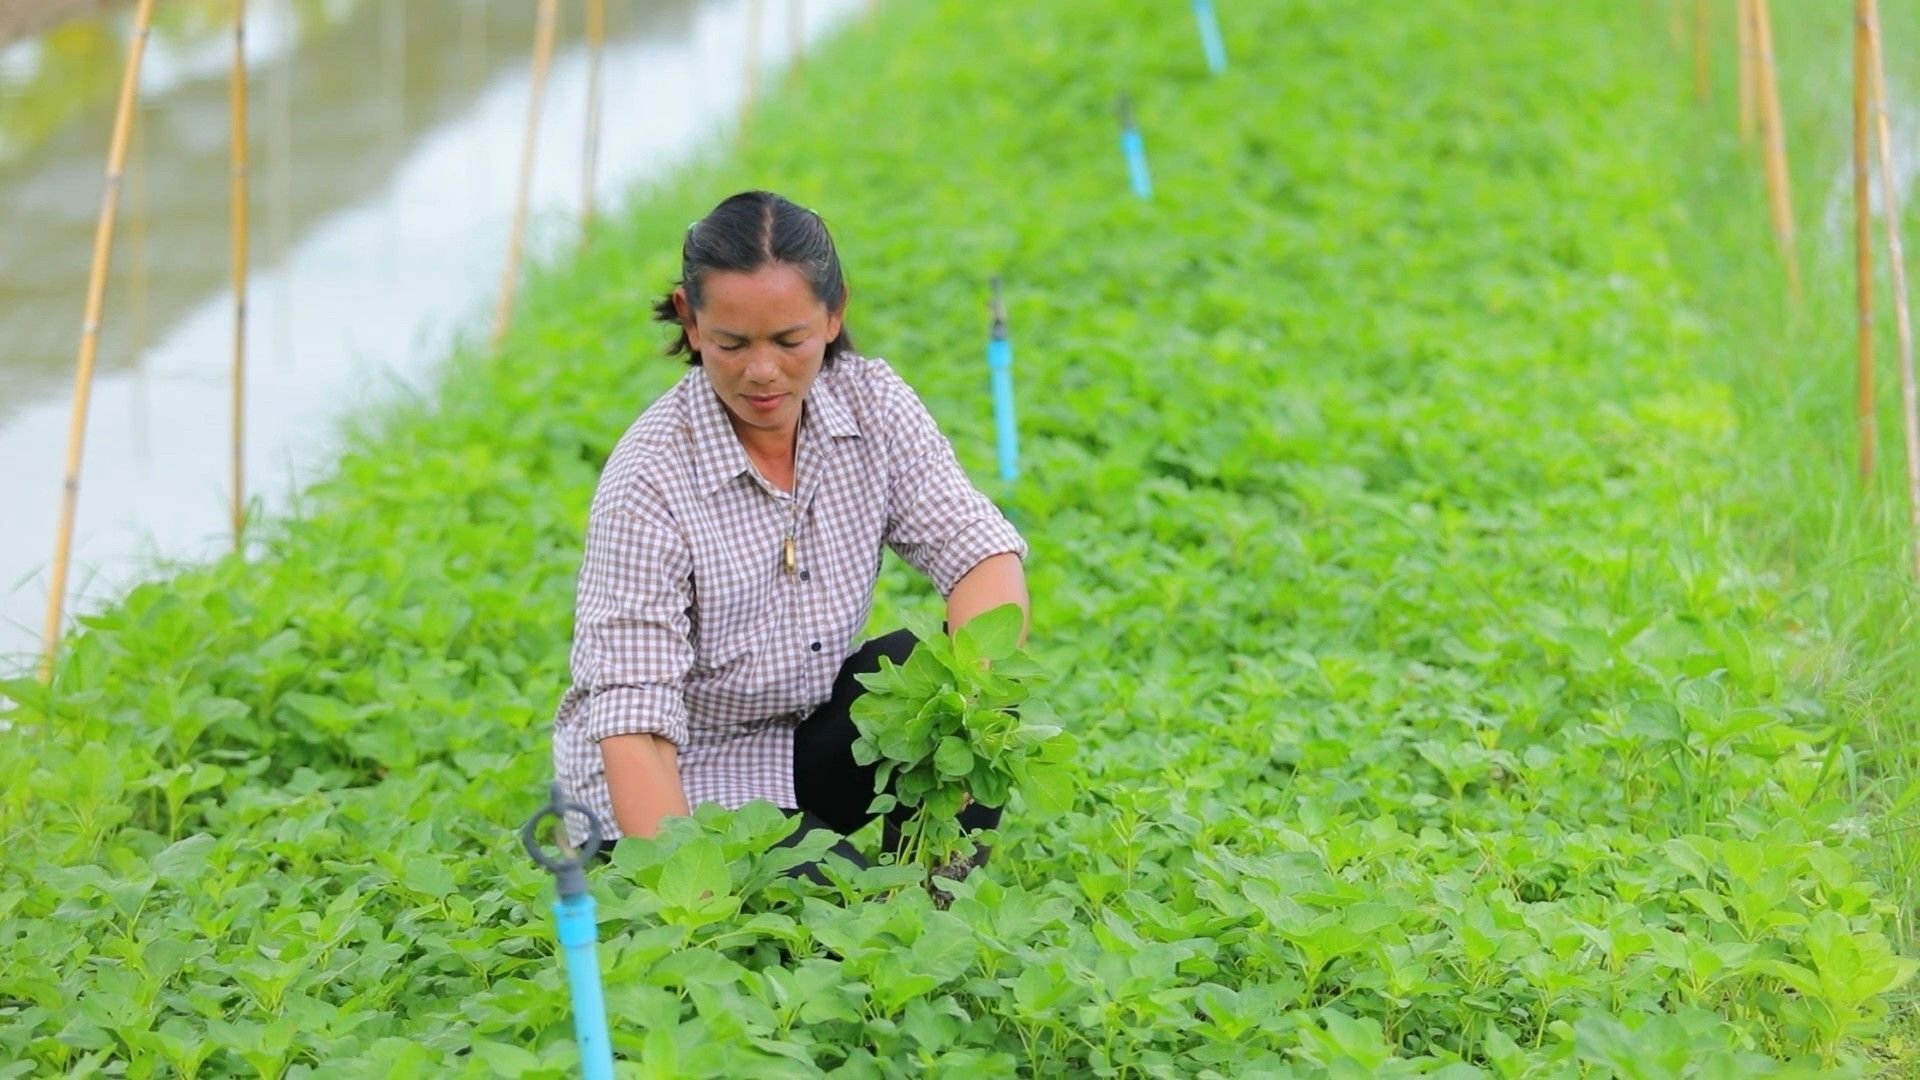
(998, 579)
(643, 775)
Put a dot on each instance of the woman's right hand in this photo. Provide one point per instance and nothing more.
(643, 776)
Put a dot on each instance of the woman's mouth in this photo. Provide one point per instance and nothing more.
(765, 402)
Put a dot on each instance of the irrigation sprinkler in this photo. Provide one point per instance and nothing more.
(574, 921)
(1000, 363)
(1135, 149)
(1210, 39)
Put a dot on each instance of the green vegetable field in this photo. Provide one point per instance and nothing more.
(1479, 666)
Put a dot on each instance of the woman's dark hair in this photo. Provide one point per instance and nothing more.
(746, 232)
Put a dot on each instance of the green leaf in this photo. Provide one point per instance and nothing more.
(993, 634)
(183, 860)
(1049, 791)
(695, 874)
(953, 758)
(505, 1059)
(427, 875)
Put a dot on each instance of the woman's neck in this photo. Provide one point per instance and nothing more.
(772, 452)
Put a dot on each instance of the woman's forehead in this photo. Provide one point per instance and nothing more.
(771, 285)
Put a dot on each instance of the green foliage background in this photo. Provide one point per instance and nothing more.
(1451, 696)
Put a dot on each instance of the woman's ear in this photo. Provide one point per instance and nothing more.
(685, 311)
(836, 319)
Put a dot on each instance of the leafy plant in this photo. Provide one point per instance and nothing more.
(955, 722)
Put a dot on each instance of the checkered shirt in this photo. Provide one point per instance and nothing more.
(686, 624)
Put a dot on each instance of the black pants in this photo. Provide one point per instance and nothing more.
(833, 790)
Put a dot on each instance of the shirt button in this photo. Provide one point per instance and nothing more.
(806, 575)
(815, 646)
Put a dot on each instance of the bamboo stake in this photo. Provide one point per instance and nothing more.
(755, 16)
(596, 45)
(1897, 262)
(239, 121)
(1702, 57)
(1773, 131)
(1863, 232)
(542, 61)
(1743, 18)
(90, 331)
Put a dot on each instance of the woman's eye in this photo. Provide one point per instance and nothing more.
(791, 344)
(733, 348)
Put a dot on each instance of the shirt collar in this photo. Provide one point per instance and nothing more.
(824, 405)
(718, 455)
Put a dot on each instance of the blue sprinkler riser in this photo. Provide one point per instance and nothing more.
(1006, 431)
(1136, 150)
(1210, 38)
(578, 932)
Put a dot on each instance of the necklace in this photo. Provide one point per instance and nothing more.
(788, 558)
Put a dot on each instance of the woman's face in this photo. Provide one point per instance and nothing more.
(761, 337)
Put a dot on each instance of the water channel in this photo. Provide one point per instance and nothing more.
(386, 139)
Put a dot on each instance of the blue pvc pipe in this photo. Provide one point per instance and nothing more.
(578, 936)
(1136, 151)
(1210, 38)
(1006, 431)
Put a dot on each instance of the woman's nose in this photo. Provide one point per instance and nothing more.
(761, 367)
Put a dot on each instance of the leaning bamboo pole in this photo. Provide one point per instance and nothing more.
(542, 61)
(1863, 232)
(239, 123)
(90, 331)
(1897, 262)
(1774, 136)
(1702, 46)
(596, 45)
(1743, 22)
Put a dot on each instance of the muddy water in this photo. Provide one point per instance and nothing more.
(386, 140)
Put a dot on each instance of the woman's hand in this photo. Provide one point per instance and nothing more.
(643, 776)
(999, 579)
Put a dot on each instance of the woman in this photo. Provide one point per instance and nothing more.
(735, 538)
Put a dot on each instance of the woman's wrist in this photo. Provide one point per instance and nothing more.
(643, 778)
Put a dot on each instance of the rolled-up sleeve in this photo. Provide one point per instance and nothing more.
(631, 615)
(937, 521)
